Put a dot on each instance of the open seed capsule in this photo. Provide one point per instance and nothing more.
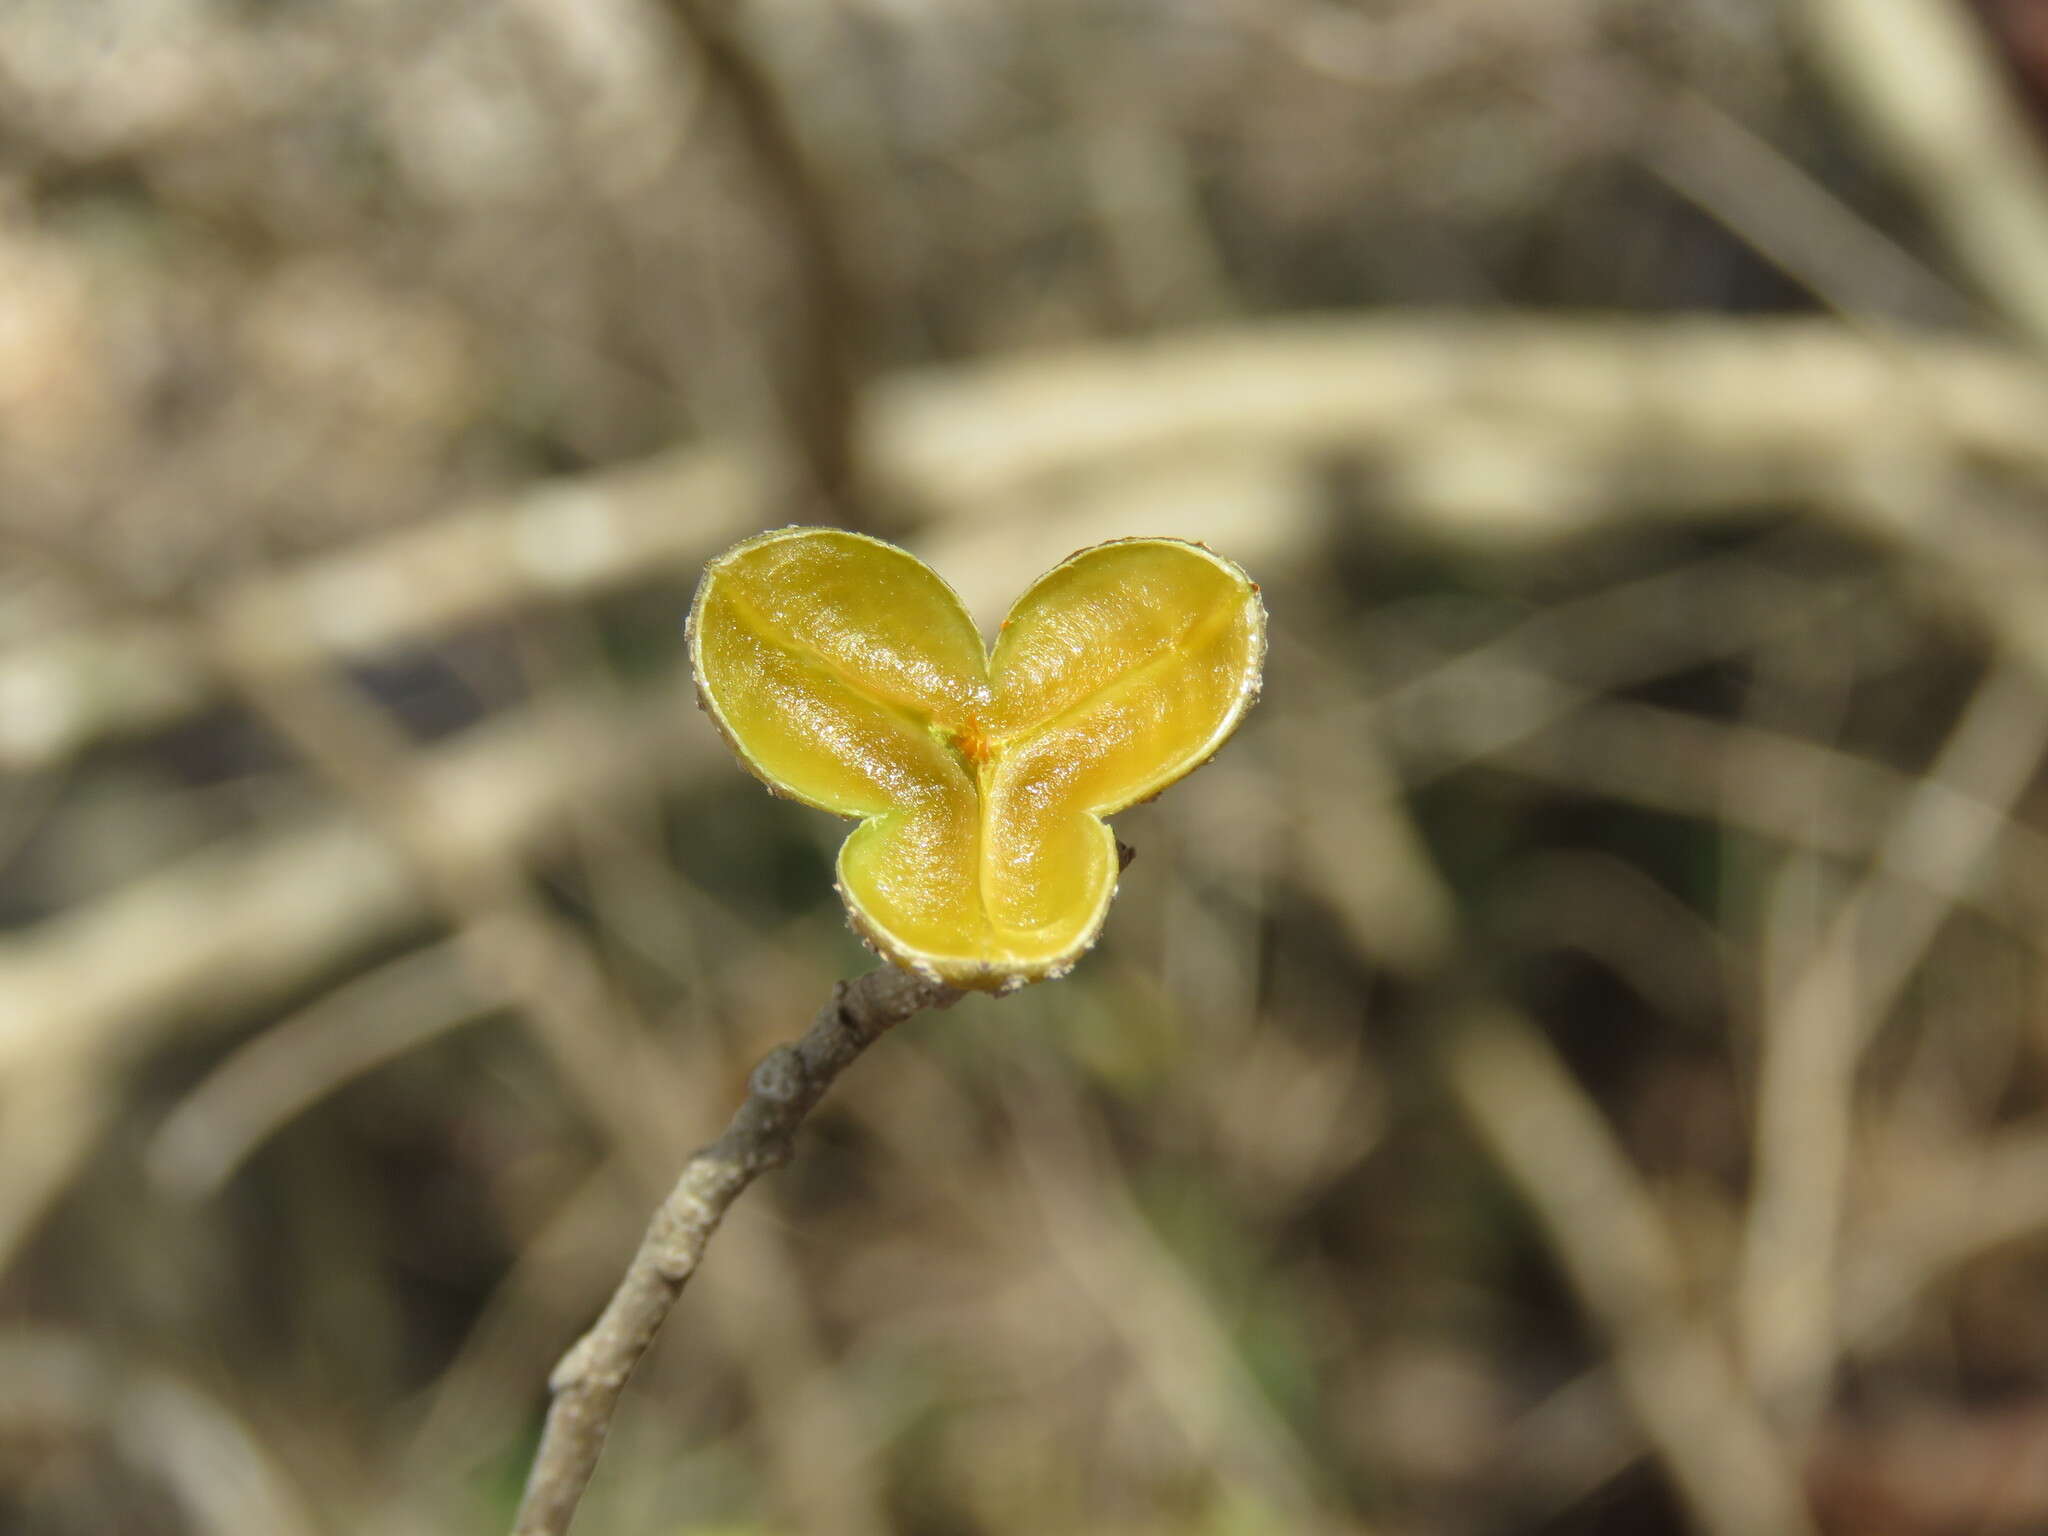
(847, 674)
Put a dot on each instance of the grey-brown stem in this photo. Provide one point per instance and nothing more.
(782, 1090)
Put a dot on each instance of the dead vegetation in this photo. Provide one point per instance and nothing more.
(1574, 1065)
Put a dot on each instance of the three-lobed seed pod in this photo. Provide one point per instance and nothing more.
(845, 673)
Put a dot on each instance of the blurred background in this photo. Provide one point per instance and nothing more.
(1576, 1063)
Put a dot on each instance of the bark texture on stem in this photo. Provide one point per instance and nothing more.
(782, 1090)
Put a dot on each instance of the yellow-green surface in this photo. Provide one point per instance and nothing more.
(847, 674)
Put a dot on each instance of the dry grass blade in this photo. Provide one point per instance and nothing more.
(825, 370)
(163, 1427)
(1731, 415)
(1608, 1236)
(1182, 1348)
(354, 1029)
(1922, 75)
(1815, 1034)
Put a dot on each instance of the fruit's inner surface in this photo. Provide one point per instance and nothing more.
(829, 661)
(848, 674)
(910, 874)
(873, 614)
(1116, 672)
(802, 726)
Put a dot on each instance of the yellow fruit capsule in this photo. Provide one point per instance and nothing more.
(847, 674)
